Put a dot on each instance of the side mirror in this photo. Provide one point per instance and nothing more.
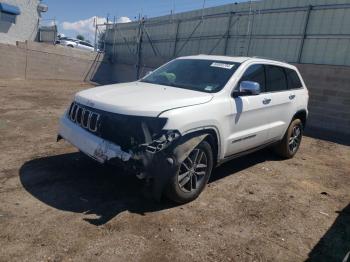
(250, 88)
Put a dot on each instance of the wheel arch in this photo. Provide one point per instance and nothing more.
(302, 115)
(213, 138)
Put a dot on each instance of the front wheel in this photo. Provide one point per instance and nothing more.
(291, 141)
(192, 175)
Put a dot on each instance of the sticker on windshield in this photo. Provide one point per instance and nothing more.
(222, 65)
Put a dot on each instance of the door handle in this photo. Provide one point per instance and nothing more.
(266, 101)
(291, 97)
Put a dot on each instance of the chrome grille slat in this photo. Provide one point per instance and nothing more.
(77, 114)
(83, 119)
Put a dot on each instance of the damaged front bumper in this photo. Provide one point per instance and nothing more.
(95, 147)
(158, 160)
(103, 151)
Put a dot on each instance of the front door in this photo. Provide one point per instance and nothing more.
(249, 125)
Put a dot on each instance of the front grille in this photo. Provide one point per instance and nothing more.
(84, 117)
(124, 130)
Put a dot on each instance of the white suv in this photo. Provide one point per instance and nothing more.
(176, 124)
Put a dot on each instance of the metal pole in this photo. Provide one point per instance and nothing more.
(176, 36)
(189, 37)
(228, 33)
(304, 33)
(114, 35)
(200, 36)
(251, 33)
(105, 37)
(154, 49)
(95, 33)
(139, 48)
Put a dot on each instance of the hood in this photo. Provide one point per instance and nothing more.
(141, 99)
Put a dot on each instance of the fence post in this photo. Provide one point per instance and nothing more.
(114, 37)
(306, 25)
(228, 32)
(26, 68)
(176, 36)
(139, 48)
(251, 33)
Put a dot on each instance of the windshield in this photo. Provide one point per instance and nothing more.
(195, 74)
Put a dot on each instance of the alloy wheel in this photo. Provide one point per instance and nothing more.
(192, 171)
(295, 138)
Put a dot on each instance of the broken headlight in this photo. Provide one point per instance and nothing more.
(163, 141)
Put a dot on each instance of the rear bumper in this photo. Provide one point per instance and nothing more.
(97, 148)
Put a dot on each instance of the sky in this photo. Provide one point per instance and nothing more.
(75, 17)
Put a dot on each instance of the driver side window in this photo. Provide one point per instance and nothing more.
(255, 73)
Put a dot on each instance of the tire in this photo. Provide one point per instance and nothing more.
(289, 145)
(180, 191)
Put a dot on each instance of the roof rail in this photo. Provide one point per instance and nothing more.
(272, 59)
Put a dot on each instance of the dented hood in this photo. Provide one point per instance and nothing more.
(141, 99)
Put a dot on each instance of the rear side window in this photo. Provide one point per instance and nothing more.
(255, 73)
(275, 79)
(293, 79)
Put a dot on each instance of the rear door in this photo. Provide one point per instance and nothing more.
(282, 107)
(248, 125)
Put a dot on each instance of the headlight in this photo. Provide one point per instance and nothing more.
(163, 141)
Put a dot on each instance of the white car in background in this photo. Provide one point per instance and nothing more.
(83, 45)
(192, 114)
(75, 43)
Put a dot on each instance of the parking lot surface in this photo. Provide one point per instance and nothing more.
(58, 205)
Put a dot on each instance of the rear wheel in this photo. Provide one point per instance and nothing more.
(290, 143)
(192, 175)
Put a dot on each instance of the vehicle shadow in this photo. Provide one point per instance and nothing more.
(335, 244)
(75, 183)
(244, 162)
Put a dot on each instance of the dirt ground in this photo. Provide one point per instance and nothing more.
(58, 205)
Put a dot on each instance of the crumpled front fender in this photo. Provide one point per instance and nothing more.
(165, 164)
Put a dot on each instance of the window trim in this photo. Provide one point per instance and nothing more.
(300, 80)
(285, 76)
(236, 86)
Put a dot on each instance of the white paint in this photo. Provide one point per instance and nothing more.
(93, 146)
(241, 123)
(138, 98)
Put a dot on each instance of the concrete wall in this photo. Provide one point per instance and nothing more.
(26, 26)
(31, 60)
(329, 105)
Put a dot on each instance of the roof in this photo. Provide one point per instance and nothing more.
(237, 59)
(9, 9)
